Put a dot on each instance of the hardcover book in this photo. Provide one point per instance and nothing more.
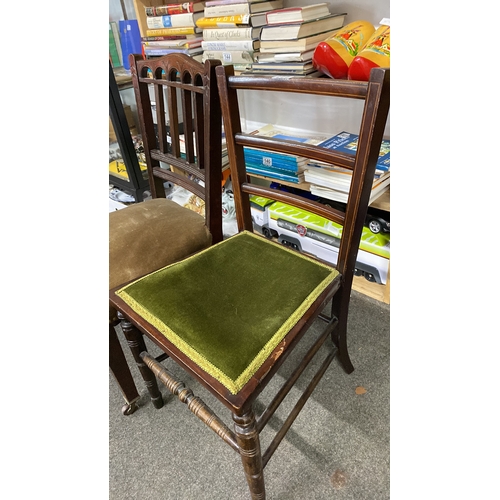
(298, 14)
(223, 21)
(248, 45)
(302, 68)
(182, 42)
(301, 30)
(279, 57)
(130, 39)
(298, 44)
(175, 8)
(233, 33)
(162, 51)
(210, 3)
(170, 38)
(229, 56)
(188, 30)
(242, 7)
(173, 21)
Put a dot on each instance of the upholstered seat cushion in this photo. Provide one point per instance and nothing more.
(150, 235)
(229, 306)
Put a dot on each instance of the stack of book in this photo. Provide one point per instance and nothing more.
(172, 29)
(290, 36)
(333, 182)
(280, 166)
(231, 30)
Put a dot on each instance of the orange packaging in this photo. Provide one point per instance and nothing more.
(376, 53)
(335, 54)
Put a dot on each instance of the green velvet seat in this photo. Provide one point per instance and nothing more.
(229, 306)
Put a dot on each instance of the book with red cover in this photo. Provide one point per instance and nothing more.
(175, 8)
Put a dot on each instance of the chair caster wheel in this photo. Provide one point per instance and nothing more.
(129, 408)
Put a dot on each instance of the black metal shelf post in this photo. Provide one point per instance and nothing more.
(136, 184)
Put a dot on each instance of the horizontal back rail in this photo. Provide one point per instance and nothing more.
(295, 200)
(341, 88)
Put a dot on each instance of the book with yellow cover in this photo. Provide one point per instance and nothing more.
(223, 21)
(188, 30)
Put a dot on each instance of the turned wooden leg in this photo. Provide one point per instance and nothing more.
(120, 369)
(248, 440)
(136, 343)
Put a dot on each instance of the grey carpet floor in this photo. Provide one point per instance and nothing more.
(337, 448)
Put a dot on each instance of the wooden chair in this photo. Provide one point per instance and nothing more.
(232, 314)
(150, 235)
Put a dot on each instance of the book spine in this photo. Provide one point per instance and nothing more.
(229, 34)
(162, 51)
(272, 173)
(173, 21)
(227, 10)
(248, 45)
(115, 32)
(223, 21)
(169, 44)
(229, 56)
(211, 3)
(172, 31)
(113, 51)
(162, 38)
(165, 10)
(271, 160)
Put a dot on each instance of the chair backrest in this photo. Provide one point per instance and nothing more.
(376, 96)
(188, 131)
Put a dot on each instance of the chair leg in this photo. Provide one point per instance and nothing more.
(136, 343)
(120, 369)
(340, 305)
(248, 440)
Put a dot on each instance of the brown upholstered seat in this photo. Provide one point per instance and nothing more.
(160, 231)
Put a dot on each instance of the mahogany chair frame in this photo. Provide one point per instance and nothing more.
(247, 426)
(178, 81)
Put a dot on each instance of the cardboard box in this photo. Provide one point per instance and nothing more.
(130, 122)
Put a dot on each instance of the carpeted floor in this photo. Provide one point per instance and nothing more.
(337, 448)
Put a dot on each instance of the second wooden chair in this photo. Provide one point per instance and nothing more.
(182, 144)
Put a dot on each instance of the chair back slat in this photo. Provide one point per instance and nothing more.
(182, 143)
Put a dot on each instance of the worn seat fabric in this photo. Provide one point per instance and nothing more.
(151, 235)
(229, 306)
